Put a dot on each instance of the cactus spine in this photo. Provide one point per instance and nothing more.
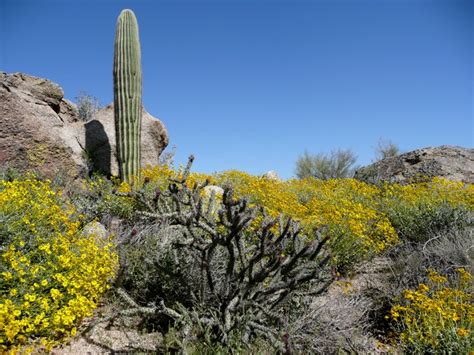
(128, 96)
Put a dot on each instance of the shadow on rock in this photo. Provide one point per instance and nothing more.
(98, 148)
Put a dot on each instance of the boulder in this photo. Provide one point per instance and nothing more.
(37, 125)
(449, 162)
(97, 231)
(271, 175)
(40, 130)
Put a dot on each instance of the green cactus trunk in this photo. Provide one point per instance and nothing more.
(128, 96)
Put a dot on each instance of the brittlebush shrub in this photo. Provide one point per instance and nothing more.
(51, 276)
(438, 316)
(159, 177)
(362, 219)
(347, 208)
(420, 210)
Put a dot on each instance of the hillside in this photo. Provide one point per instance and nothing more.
(175, 264)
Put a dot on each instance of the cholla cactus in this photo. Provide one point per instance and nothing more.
(240, 267)
(128, 95)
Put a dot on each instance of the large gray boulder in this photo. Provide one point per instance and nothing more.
(449, 162)
(40, 130)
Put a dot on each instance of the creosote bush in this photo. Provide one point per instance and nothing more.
(51, 276)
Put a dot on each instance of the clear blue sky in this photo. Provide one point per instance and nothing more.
(250, 85)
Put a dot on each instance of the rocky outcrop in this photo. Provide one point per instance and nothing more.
(453, 163)
(33, 121)
(40, 130)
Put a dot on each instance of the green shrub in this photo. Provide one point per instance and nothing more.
(338, 164)
(420, 210)
(156, 268)
(420, 222)
(87, 106)
(98, 198)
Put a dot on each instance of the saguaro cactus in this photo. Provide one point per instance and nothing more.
(128, 96)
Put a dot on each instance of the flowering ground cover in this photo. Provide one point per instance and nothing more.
(52, 277)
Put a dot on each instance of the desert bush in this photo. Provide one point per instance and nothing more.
(419, 222)
(338, 164)
(443, 252)
(419, 210)
(386, 149)
(87, 106)
(239, 265)
(348, 208)
(51, 277)
(99, 198)
(437, 316)
(155, 268)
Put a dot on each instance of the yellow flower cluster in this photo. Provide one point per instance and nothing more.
(435, 191)
(420, 209)
(51, 276)
(348, 208)
(274, 195)
(161, 175)
(350, 205)
(353, 212)
(437, 317)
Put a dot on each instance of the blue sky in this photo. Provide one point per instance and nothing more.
(251, 85)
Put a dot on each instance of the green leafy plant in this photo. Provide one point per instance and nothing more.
(338, 164)
(420, 210)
